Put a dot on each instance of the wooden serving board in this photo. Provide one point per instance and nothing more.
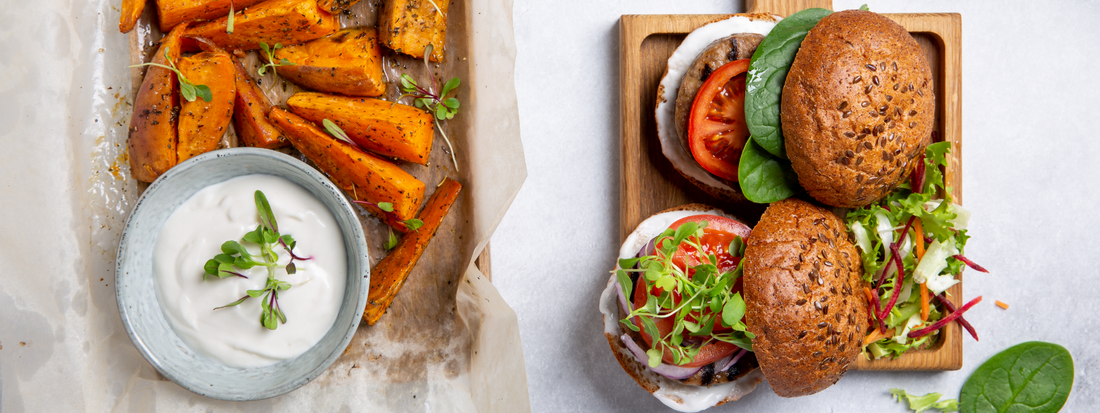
(649, 183)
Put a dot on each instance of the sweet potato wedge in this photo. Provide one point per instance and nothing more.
(250, 114)
(153, 134)
(347, 62)
(173, 12)
(382, 127)
(273, 21)
(334, 6)
(407, 26)
(361, 175)
(389, 275)
(130, 13)
(202, 124)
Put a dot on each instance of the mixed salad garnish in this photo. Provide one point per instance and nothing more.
(918, 230)
(685, 294)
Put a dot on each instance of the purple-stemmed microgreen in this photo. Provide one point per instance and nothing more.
(698, 298)
(426, 98)
(188, 90)
(412, 224)
(235, 257)
(270, 52)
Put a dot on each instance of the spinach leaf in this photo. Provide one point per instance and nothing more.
(767, 72)
(1033, 376)
(764, 178)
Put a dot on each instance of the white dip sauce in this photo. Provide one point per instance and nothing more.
(226, 211)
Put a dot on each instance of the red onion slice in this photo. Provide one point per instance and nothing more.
(670, 371)
(732, 361)
(622, 297)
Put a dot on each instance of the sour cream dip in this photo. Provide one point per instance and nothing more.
(227, 211)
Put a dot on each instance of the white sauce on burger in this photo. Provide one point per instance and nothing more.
(674, 394)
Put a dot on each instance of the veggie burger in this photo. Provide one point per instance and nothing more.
(699, 308)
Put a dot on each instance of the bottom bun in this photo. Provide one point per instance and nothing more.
(673, 393)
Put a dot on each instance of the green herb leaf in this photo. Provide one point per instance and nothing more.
(211, 267)
(291, 268)
(224, 258)
(256, 293)
(1034, 376)
(265, 48)
(737, 247)
(203, 92)
(288, 240)
(385, 206)
(187, 90)
(734, 310)
(451, 85)
(232, 303)
(267, 218)
(764, 178)
(767, 73)
(929, 401)
(654, 357)
(413, 224)
(624, 282)
(335, 131)
(864, 8)
(391, 241)
(229, 24)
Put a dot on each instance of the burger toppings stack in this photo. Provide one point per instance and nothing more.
(837, 107)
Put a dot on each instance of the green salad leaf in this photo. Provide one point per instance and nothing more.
(1034, 377)
(765, 178)
(767, 72)
(929, 401)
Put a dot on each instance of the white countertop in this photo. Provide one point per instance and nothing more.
(1030, 172)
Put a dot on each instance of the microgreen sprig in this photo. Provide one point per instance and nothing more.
(188, 89)
(333, 129)
(426, 98)
(270, 52)
(700, 291)
(235, 258)
(412, 224)
(229, 24)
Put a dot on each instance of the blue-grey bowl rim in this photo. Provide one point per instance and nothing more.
(227, 155)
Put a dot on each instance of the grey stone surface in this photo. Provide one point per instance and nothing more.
(1030, 176)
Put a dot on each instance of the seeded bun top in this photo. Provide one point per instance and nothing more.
(857, 108)
(802, 279)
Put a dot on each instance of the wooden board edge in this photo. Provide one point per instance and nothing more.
(944, 26)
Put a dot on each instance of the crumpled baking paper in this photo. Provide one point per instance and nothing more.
(448, 343)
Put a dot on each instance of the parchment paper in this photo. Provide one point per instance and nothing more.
(448, 343)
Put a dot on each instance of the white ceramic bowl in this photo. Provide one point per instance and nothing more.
(140, 309)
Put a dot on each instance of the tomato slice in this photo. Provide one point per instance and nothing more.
(718, 234)
(716, 125)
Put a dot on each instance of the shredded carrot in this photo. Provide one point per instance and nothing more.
(924, 307)
(1000, 304)
(874, 336)
(920, 239)
(870, 296)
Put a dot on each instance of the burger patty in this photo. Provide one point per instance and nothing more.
(727, 49)
(706, 376)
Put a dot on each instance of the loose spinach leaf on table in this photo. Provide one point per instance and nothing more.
(765, 178)
(1033, 377)
(767, 72)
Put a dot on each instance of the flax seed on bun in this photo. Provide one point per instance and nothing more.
(857, 108)
(802, 278)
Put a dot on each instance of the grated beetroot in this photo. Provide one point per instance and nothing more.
(897, 286)
(951, 307)
(951, 317)
(917, 179)
(971, 263)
